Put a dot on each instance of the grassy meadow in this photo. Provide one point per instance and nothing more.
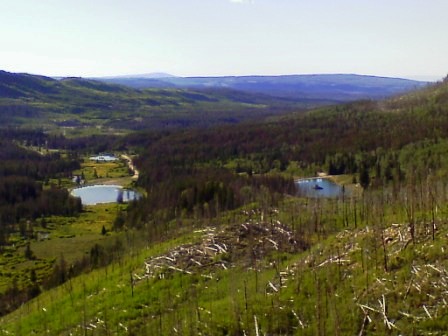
(56, 238)
(240, 275)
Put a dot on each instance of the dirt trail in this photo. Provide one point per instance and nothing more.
(131, 166)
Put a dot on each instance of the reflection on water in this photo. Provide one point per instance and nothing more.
(319, 187)
(96, 194)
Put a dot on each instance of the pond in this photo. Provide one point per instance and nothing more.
(319, 187)
(96, 194)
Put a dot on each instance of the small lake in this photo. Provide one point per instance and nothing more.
(97, 194)
(319, 187)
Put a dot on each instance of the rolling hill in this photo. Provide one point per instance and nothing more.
(335, 87)
(84, 103)
(163, 101)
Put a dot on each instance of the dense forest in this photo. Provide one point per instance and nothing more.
(25, 188)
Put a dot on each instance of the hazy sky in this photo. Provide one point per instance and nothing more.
(399, 38)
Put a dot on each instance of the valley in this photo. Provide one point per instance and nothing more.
(221, 242)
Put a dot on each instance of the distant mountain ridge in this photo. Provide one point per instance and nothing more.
(151, 75)
(334, 87)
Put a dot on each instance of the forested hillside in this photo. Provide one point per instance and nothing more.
(84, 106)
(368, 139)
(91, 106)
(25, 189)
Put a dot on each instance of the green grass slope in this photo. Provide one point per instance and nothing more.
(258, 271)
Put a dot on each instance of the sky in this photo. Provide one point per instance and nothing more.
(92, 38)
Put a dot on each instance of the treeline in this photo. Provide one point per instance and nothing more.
(99, 256)
(25, 189)
(197, 192)
(75, 147)
(23, 198)
(335, 136)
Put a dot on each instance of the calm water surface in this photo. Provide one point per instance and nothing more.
(96, 194)
(319, 187)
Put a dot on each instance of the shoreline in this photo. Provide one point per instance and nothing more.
(341, 180)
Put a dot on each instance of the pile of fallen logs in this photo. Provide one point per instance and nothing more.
(222, 248)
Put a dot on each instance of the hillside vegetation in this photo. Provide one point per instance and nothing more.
(86, 105)
(222, 245)
(249, 275)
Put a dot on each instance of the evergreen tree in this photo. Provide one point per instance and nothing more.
(28, 252)
(364, 177)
